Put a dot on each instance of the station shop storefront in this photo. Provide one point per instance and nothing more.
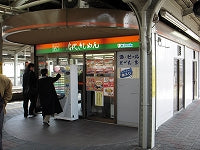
(107, 72)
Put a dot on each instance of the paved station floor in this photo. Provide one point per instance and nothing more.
(30, 134)
(181, 132)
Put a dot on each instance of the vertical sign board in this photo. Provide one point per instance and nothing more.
(128, 87)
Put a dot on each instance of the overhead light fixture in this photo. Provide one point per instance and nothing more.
(173, 20)
(166, 15)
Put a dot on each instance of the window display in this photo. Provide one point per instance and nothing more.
(100, 84)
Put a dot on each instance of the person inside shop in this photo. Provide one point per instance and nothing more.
(5, 96)
(29, 90)
(48, 97)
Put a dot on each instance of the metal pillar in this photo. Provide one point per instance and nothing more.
(145, 10)
(146, 122)
(15, 68)
(1, 45)
(32, 53)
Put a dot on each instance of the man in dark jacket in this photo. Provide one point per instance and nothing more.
(48, 97)
(29, 90)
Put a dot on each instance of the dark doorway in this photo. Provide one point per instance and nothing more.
(194, 67)
(178, 84)
(100, 89)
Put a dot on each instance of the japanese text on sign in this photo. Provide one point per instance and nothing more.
(82, 46)
(128, 59)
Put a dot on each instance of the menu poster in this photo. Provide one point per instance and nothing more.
(90, 63)
(90, 70)
(90, 66)
(108, 63)
(99, 66)
(99, 83)
(108, 82)
(109, 70)
(99, 99)
(90, 82)
(108, 91)
(108, 86)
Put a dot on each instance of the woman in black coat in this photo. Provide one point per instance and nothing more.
(48, 97)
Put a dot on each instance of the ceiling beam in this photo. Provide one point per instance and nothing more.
(22, 48)
(4, 9)
(35, 3)
(187, 11)
(18, 3)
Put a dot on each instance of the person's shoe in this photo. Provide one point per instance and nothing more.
(33, 114)
(25, 115)
(46, 124)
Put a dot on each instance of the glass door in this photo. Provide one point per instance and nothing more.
(100, 86)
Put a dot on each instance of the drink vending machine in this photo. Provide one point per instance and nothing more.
(67, 89)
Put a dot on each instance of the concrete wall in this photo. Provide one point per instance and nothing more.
(128, 89)
(188, 76)
(166, 52)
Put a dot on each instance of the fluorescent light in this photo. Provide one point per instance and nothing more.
(173, 20)
(179, 35)
(179, 24)
(192, 34)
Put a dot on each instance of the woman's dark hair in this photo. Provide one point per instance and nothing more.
(44, 72)
(30, 65)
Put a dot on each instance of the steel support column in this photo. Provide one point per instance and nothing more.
(1, 45)
(15, 68)
(145, 10)
(145, 129)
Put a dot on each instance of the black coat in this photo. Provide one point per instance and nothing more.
(48, 97)
(29, 84)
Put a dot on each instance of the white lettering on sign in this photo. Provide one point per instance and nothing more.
(82, 46)
(125, 45)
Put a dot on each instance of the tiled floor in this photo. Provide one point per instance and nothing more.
(182, 132)
(30, 134)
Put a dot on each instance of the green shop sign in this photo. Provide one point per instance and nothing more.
(89, 45)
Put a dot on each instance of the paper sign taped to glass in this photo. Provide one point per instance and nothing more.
(128, 73)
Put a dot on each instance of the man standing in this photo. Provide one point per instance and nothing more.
(29, 90)
(5, 96)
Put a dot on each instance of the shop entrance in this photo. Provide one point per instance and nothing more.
(100, 87)
(194, 80)
(178, 84)
(96, 82)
